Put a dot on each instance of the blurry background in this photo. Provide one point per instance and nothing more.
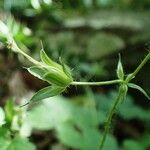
(88, 35)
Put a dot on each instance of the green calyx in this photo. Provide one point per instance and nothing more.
(52, 72)
(55, 73)
(59, 76)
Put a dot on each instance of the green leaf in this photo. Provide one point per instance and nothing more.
(4, 143)
(134, 86)
(52, 111)
(69, 136)
(132, 144)
(120, 72)
(47, 92)
(4, 132)
(45, 59)
(110, 142)
(16, 144)
(127, 109)
(37, 72)
(57, 78)
(91, 139)
(103, 44)
(20, 144)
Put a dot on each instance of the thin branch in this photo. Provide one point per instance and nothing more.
(120, 96)
(144, 61)
(97, 83)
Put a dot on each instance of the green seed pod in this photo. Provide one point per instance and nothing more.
(57, 74)
(58, 78)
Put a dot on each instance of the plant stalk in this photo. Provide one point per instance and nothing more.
(97, 83)
(144, 61)
(119, 97)
(35, 62)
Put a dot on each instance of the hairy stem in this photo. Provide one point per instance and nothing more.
(35, 62)
(119, 97)
(15, 47)
(144, 61)
(97, 83)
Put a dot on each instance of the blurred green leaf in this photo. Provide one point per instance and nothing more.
(92, 69)
(76, 126)
(127, 109)
(8, 4)
(131, 144)
(4, 143)
(91, 139)
(41, 112)
(71, 122)
(53, 111)
(16, 144)
(4, 132)
(111, 143)
(98, 45)
(20, 144)
(68, 135)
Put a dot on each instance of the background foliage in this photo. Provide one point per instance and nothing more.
(88, 35)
